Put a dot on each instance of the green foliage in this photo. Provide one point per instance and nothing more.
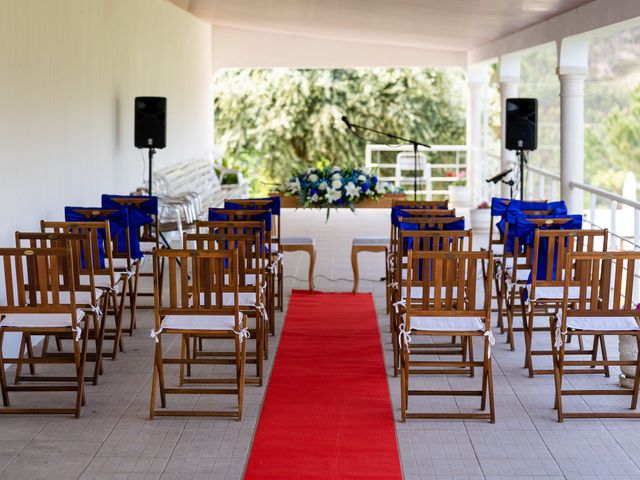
(613, 148)
(274, 121)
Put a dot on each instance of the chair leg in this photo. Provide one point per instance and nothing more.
(3, 379)
(312, 266)
(500, 323)
(354, 268)
(260, 323)
(80, 355)
(470, 345)
(133, 296)
(603, 348)
(404, 377)
(636, 380)
(557, 369)
(241, 352)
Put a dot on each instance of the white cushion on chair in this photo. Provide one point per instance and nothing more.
(40, 320)
(120, 263)
(371, 241)
(497, 249)
(199, 322)
(147, 246)
(557, 293)
(602, 323)
(416, 292)
(447, 324)
(297, 241)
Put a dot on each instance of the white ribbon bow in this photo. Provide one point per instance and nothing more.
(78, 332)
(559, 338)
(492, 341)
(392, 285)
(242, 334)
(96, 310)
(263, 310)
(403, 337)
(400, 303)
(155, 333)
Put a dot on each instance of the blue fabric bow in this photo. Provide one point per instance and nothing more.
(138, 214)
(118, 223)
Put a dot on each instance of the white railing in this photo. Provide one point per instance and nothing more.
(441, 158)
(542, 183)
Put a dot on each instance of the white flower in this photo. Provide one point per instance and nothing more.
(351, 190)
(310, 169)
(336, 176)
(380, 188)
(369, 192)
(322, 186)
(333, 195)
(314, 198)
(362, 178)
(312, 178)
(294, 186)
(336, 183)
(366, 170)
(335, 169)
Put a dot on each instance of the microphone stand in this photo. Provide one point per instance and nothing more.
(409, 141)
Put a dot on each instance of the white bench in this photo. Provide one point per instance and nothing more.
(366, 244)
(187, 190)
(301, 244)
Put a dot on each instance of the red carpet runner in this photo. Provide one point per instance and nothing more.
(327, 412)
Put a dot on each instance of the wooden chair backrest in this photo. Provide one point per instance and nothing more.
(196, 281)
(426, 204)
(149, 232)
(247, 244)
(118, 251)
(606, 282)
(449, 285)
(559, 244)
(500, 239)
(432, 241)
(34, 280)
(263, 204)
(430, 223)
(81, 272)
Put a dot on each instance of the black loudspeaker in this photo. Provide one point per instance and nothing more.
(151, 122)
(522, 125)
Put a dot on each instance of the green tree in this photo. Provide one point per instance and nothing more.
(272, 121)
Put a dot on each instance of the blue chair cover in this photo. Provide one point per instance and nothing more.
(457, 225)
(138, 216)
(498, 206)
(118, 223)
(274, 205)
(518, 225)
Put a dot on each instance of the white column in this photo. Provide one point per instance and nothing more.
(475, 171)
(572, 135)
(508, 89)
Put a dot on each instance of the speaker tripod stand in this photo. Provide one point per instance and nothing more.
(523, 161)
(152, 152)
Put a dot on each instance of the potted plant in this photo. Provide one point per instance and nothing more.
(481, 217)
(458, 192)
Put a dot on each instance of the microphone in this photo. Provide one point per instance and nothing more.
(346, 121)
(499, 176)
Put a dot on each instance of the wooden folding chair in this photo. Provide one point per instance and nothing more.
(425, 241)
(597, 301)
(543, 295)
(246, 241)
(447, 305)
(252, 215)
(149, 237)
(36, 303)
(275, 250)
(91, 300)
(122, 259)
(419, 211)
(515, 269)
(105, 276)
(194, 307)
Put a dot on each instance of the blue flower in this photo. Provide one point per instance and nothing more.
(364, 187)
(374, 180)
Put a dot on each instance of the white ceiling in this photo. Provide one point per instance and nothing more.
(452, 25)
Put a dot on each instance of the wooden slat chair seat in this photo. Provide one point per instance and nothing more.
(105, 277)
(27, 271)
(423, 241)
(191, 276)
(543, 294)
(443, 311)
(251, 298)
(88, 298)
(604, 306)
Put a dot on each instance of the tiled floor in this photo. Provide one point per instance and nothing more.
(114, 438)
